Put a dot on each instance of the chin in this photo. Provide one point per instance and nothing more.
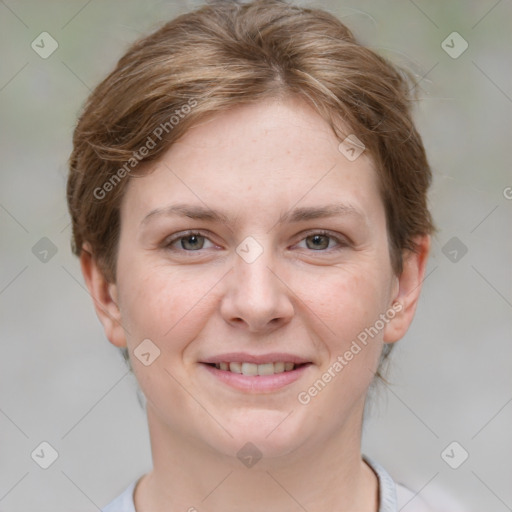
(261, 433)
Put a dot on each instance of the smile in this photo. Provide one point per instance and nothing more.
(253, 369)
(250, 373)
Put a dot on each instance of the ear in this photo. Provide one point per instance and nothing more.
(104, 295)
(408, 291)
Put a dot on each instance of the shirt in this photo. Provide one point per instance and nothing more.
(392, 497)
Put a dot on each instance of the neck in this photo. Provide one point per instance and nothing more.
(321, 474)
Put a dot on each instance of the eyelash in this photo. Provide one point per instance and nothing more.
(173, 239)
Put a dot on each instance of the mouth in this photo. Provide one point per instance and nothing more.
(252, 369)
(256, 374)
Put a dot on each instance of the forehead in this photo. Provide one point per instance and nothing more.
(264, 155)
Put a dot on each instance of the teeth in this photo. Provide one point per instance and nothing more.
(265, 369)
(279, 367)
(235, 367)
(256, 369)
(249, 369)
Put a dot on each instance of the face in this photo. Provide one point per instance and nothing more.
(256, 246)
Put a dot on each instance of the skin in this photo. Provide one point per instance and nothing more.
(255, 163)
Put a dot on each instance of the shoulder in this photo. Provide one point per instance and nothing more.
(124, 502)
(435, 499)
(409, 501)
(397, 496)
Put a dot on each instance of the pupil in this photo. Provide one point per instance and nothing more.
(319, 241)
(191, 242)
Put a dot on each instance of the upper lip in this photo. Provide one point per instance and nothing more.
(240, 357)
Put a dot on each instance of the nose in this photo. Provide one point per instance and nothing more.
(256, 298)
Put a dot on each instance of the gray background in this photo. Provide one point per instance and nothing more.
(63, 383)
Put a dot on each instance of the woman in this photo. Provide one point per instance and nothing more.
(249, 203)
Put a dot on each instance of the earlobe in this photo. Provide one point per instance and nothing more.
(409, 287)
(105, 297)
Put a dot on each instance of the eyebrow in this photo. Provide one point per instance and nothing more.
(301, 214)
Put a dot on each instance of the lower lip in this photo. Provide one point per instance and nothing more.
(257, 383)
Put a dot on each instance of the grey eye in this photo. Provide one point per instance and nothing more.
(192, 242)
(317, 242)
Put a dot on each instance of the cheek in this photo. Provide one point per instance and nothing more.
(166, 306)
(170, 309)
(346, 306)
(346, 303)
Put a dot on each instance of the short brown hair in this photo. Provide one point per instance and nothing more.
(226, 54)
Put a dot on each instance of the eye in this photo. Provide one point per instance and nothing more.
(189, 242)
(321, 241)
